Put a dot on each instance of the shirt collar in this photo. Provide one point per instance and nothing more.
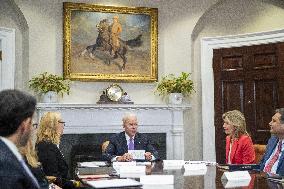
(12, 147)
(128, 137)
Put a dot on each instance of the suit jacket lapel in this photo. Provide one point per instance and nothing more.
(124, 142)
(281, 159)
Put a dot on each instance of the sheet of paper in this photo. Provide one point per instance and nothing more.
(113, 183)
(132, 169)
(93, 176)
(137, 154)
(92, 164)
(154, 186)
(157, 179)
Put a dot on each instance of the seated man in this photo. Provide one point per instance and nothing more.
(273, 159)
(130, 139)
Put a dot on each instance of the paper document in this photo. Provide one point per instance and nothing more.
(93, 176)
(113, 183)
(137, 154)
(92, 164)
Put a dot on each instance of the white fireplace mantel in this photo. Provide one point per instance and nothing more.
(107, 118)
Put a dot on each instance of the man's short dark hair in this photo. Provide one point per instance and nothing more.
(280, 111)
(15, 107)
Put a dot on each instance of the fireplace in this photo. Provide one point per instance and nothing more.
(91, 124)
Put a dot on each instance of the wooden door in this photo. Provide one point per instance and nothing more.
(249, 79)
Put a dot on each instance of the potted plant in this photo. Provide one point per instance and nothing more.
(175, 87)
(49, 85)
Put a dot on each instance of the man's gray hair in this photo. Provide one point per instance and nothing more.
(280, 111)
(127, 115)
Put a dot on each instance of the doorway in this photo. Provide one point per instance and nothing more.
(249, 79)
(208, 44)
(7, 66)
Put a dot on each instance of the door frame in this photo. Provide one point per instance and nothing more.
(208, 44)
(7, 67)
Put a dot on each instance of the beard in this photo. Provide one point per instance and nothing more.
(24, 138)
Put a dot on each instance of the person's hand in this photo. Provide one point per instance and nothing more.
(125, 157)
(148, 156)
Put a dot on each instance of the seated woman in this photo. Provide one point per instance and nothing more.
(31, 159)
(48, 138)
(239, 146)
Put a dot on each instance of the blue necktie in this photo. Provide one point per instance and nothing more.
(28, 171)
(131, 144)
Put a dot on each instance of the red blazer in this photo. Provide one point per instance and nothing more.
(242, 151)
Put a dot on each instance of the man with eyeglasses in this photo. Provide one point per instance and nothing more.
(120, 144)
(16, 112)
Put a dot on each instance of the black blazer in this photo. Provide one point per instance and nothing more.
(12, 174)
(51, 159)
(118, 145)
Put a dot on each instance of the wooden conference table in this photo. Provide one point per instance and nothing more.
(182, 180)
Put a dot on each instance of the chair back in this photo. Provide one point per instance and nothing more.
(259, 151)
(104, 146)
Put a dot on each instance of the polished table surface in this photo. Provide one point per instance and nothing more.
(211, 180)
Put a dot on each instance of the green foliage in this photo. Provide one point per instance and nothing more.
(171, 84)
(48, 82)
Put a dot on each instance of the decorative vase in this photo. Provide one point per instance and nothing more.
(50, 97)
(175, 98)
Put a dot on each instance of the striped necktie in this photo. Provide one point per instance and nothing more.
(275, 157)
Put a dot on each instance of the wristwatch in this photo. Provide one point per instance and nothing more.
(114, 92)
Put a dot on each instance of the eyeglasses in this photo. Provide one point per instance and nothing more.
(63, 122)
(35, 125)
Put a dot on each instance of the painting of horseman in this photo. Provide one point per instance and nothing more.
(108, 45)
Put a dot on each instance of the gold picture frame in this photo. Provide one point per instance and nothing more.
(98, 49)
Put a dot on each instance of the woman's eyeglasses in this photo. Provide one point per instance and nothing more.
(63, 122)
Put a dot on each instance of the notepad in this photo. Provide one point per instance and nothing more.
(113, 183)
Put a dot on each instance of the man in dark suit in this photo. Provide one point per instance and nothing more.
(273, 159)
(16, 112)
(130, 139)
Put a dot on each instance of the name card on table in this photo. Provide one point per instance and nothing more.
(194, 172)
(137, 154)
(173, 164)
(188, 165)
(132, 171)
(118, 165)
(235, 183)
(157, 179)
(236, 176)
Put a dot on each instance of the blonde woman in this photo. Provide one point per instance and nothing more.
(48, 138)
(239, 146)
(31, 158)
